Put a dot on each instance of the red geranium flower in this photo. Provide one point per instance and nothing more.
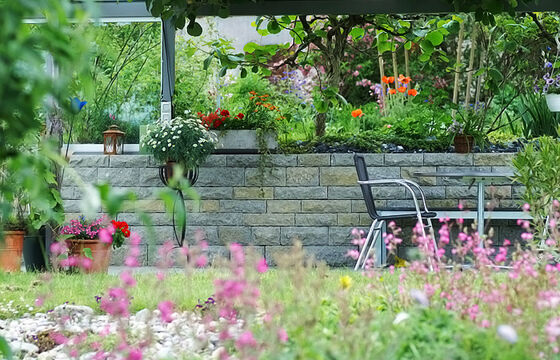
(224, 113)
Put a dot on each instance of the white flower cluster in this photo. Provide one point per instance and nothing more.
(164, 136)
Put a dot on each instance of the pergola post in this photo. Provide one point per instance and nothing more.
(167, 69)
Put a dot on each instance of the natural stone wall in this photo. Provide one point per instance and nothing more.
(312, 198)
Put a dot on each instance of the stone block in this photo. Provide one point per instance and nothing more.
(338, 159)
(141, 193)
(404, 159)
(129, 161)
(498, 159)
(253, 192)
(300, 193)
(316, 219)
(243, 206)
(333, 256)
(242, 160)
(380, 173)
(359, 206)
(268, 177)
(155, 219)
(431, 192)
(209, 205)
(338, 176)
(344, 192)
(208, 233)
(408, 173)
(150, 206)
(118, 255)
(268, 219)
(199, 219)
(146, 177)
(121, 176)
(265, 235)
(451, 159)
(215, 161)
(314, 160)
(510, 204)
(221, 177)
(497, 192)
(341, 235)
(214, 193)
(283, 206)
(237, 234)
(74, 206)
(305, 235)
(326, 206)
(461, 192)
(69, 193)
(89, 161)
(283, 160)
(348, 219)
(87, 175)
(443, 204)
(365, 220)
(517, 192)
(155, 234)
(302, 176)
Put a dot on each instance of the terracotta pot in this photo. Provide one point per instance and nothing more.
(11, 250)
(464, 144)
(100, 252)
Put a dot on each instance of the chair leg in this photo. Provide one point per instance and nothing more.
(376, 235)
(364, 247)
(433, 235)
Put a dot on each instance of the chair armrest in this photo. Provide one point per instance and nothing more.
(402, 182)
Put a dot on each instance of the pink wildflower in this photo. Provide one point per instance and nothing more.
(282, 335)
(134, 354)
(106, 235)
(201, 261)
(246, 339)
(166, 310)
(127, 279)
(262, 266)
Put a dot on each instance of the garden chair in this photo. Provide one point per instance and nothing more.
(375, 231)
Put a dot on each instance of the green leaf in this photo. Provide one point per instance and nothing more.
(250, 47)
(273, 27)
(496, 75)
(5, 350)
(357, 32)
(427, 46)
(243, 73)
(480, 72)
(88, 254)
(223, 71)
(321, 106)
(408, 45)
(452, 26)
(424, 57)
(194, 28)
(435, 37)
(207, 61)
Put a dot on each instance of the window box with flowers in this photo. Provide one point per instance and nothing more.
(181, 141)
(251, 132)
(89, 244)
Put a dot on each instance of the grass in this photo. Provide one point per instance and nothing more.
(21, 289)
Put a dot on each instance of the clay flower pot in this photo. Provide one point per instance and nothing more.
(100, 252)
(464, 144)
(11, 250)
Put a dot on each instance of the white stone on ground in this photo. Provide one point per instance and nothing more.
(186, 335)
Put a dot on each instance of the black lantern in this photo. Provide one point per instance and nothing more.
(113, 141)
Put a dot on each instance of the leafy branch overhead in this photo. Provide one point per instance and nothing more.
(183, 12)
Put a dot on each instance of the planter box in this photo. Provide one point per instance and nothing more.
(553, 102)
(242, 142)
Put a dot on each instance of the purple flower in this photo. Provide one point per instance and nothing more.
(548, 64)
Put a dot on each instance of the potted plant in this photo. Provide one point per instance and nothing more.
(466, 130)
(183, 141)
(90, 243)
(11, 244)
(550, 85)
(251, 132)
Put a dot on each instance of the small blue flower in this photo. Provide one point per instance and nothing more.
(548, 64)
(77, 105)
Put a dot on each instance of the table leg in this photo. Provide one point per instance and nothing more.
(480, 212)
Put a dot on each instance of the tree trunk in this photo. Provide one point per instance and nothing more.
(320, 124)
(406, 63)
(471, 65)
(458, 64)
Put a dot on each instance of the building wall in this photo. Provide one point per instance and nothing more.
(312, 198)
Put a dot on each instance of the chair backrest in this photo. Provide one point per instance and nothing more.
(361, 170)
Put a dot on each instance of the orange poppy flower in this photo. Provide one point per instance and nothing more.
(385, 79)
(403, 79)
(357, 113)
(252, 93)
(392, 91)
(412, 92)
(391, 79)
(402, 89)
